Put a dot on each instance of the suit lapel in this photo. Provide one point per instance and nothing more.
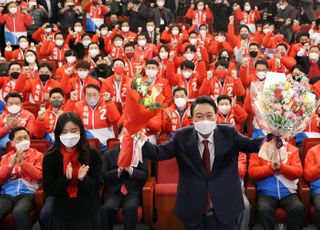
(193, 150)
(217, 148)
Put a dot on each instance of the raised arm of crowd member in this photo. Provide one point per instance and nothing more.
(281, 62)
(310, 61)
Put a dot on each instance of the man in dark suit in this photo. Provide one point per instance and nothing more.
(52, 7)
(123, 190)
(151, 32)
(209, 191)
(162, 16)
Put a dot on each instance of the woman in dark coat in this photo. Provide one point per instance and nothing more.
(72, 174)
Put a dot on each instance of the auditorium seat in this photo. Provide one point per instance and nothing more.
(32, 108)
(165, 191)
(94, 142)
(8, 221)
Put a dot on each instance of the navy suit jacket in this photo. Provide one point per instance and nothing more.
(194, 184)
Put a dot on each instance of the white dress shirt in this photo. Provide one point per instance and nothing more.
(210, 145)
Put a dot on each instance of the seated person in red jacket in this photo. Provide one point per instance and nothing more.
(177, 115)
(20, 174)
(14, 116)
(312, 174)
(123, 190)
(276, 185)
(230, 112)
(8, 83)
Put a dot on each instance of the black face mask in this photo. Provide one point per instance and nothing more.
(297, 78)
(44, 77)
(15, 75)
(56, 103)
(102, 67)
(253, 54)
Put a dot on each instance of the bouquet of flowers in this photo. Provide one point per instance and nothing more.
(143, 102)
(283, 109)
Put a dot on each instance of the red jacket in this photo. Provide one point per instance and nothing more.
(193, 84)
(231, 87)
(164, 88)
(7, 85)
(259, 169)
(147, 53)
(312, 164)
(171, 119)
(40, 36)
(251, 18)
(242, 165)
(236, 117)
(287, 63)
(53, 51)
(76, 83)
(24, 118)
(16, 23)
(199, 17)
(118, 93)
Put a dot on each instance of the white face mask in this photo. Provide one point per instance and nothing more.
(86, 43)
(125, 29)
(104, 32)
(70, 139)
(265, 31)
(200, 7)
(204, 127)
(150, 28)
(23, 145)
(78, 29)
(180, 102)
(47, 30)
(92, 101)
(14, 109)
(247, 8)
(203, 32)
(118, 43)
(59, 42)
(160, 3)
(261, 75)
(163, 55)
(189, 56)
(142, 42)
(151, 73)
(175, 32)
(23, 45)
(186, 74)
(224, 109)
(83, 74)
(282, 7)
(193, 41)
(314, 57)
(31, 59)
(71, 59)
(94, 53)
(13, 10)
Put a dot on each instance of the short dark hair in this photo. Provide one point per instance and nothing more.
(152, 62)
(180, 89)
(13, 94)
(56, 90)
(190, 47)
(13, 63)
(223, 97)
(261, 62)
(94, 86)
(70, 53)
(46, 65)
(187, 65)
(15, 130)
(83, 64)
(203, 100)
(223, 63)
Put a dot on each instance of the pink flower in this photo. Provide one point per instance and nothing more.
(278, 94)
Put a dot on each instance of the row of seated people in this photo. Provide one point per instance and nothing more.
(276, 183)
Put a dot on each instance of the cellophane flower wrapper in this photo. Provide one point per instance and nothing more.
(143, 102)
(283, 109)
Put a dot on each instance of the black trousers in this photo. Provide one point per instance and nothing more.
(129, 205)
(210, 223)
(316, 204)
(20, 206)
(46, 212)
(267, 206)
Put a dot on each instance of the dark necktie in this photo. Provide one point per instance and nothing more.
(206, 164)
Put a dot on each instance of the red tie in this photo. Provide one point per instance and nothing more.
(206, 164)
(123, 189)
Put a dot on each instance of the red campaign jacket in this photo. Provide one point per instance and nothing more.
(51, 50)
(311, 164)
(118, 93)
(171, 119)
(75, 83)
(24, 118)
(236, 117)
(259, 169)
(193, 84)
(231, 87)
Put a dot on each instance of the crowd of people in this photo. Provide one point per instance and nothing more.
(73, 60)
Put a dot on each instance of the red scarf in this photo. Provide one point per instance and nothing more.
(72, 187)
